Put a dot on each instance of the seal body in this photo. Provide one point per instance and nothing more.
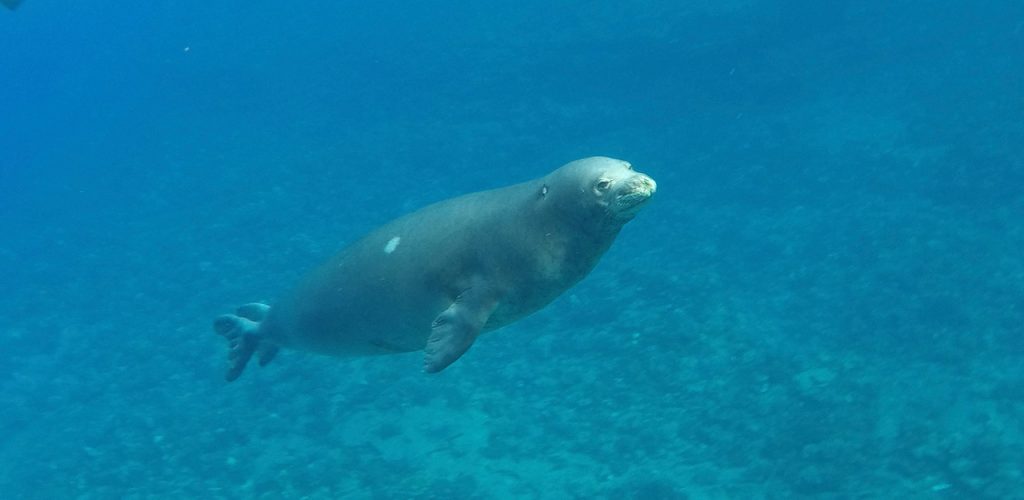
(434, 279)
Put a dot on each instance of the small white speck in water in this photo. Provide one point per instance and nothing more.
(392, 244)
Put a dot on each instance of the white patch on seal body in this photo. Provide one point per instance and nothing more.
(392, 244)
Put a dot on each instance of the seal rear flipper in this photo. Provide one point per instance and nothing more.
(455, 329)
(256, 311)
(244, 340)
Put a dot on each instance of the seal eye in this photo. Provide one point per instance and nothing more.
(603, 184)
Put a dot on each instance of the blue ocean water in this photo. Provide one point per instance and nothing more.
(824, 300)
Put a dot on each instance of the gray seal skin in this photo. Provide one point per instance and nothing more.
(434, 279)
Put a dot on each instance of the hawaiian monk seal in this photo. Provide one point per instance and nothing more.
(438, 277)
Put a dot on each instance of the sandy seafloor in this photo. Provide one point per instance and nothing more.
(825, 299)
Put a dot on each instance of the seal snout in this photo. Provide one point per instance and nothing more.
(641, 183)
(634, 193)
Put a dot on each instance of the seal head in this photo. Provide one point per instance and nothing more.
(600, 193)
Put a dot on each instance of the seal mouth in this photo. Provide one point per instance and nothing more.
(635, 193)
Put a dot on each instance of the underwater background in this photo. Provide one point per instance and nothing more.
(825, 299)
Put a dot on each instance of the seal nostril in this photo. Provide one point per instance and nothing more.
(649, 184)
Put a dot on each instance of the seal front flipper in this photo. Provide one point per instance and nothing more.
(455, 329)
(242, 331)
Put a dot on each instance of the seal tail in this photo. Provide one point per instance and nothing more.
(244, 339)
